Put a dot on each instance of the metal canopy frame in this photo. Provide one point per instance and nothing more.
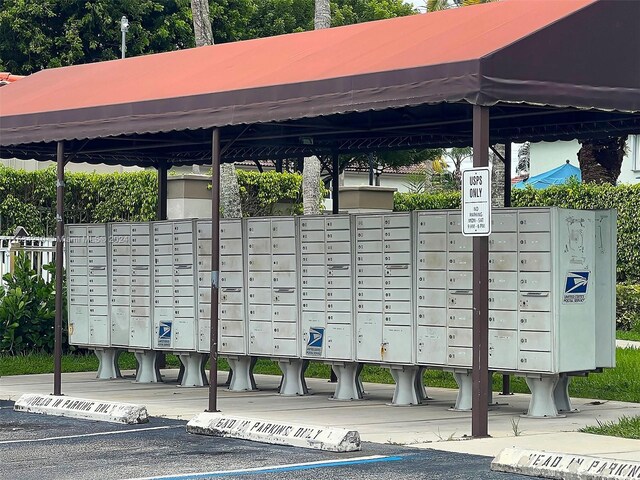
(425, 126)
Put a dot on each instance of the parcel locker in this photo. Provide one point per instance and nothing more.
(385, 309)
(87, 292)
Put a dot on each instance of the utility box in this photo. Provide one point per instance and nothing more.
(542, 308)
(87, 287)
(232, 337)
(272, 287)
(327, 283)
(384, 289)
(175, 286)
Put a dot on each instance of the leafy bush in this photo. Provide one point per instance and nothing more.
(29, 198)
(403, 202)
(271, 193)
(628, 307)
(27, 310)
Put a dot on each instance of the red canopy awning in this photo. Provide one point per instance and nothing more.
(562, 53)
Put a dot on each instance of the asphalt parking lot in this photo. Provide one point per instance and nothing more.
(47, 447)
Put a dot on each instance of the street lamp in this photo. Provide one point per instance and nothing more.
(124, 28)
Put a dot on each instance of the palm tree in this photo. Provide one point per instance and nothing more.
(312, 168)
(601, 159)
(229, 189)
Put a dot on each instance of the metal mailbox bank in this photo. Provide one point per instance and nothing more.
(387, 289)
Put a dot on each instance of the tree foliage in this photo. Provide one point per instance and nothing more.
(38, 34)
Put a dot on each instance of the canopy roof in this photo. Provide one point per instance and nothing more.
(553, 69)
(555, 176)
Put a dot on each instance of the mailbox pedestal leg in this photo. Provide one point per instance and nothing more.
(293, 382)
(405, 393)
(242, 378)
(108, 363)
(561, 395)
(542, 403)
(193, 375)
(465, 391)
(421, 390)
(148, 371)
(348, 387)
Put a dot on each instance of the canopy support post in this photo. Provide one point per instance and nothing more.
(162, 190)
(335, 182)
(507, 173)
(335, 197)
(57, 351)
(506, 379)
(480, 366)
(215, 269)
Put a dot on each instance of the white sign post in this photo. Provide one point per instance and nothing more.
(476, 202)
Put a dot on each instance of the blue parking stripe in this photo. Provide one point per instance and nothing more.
(284, 468)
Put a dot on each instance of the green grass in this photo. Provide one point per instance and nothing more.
(621, 383)
(625, 427)
(631, 335)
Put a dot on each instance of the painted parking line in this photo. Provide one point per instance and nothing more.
(279, 468)
(96, 434)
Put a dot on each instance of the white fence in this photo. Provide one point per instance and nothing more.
(40, 250)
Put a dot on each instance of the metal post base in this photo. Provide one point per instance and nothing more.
(405, 393)
(465, 391)
(242, 378)
(561, 395)
(194, 374)
(148, 371)
(293, 382)
(421, 389)
(348, 386)
(108, 363)
(542, 403)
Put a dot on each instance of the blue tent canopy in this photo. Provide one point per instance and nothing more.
(556, 176)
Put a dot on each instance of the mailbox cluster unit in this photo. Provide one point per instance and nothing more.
(393, 289)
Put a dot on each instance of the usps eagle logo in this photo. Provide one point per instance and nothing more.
(575, 287)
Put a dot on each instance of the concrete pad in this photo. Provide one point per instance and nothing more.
(330, 439)
(99, 410)
(563, 466)
(575, 443)
(429, 425)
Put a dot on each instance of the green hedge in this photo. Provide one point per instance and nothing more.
(28, 198)
(628, 307)
(624, 198)
(404, 202)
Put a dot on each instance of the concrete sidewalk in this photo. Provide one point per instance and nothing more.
(427, 426)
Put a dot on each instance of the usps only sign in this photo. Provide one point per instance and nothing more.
(476, 202)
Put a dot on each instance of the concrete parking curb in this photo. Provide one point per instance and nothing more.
(115, 412)
(279, 433)
(538, 463)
